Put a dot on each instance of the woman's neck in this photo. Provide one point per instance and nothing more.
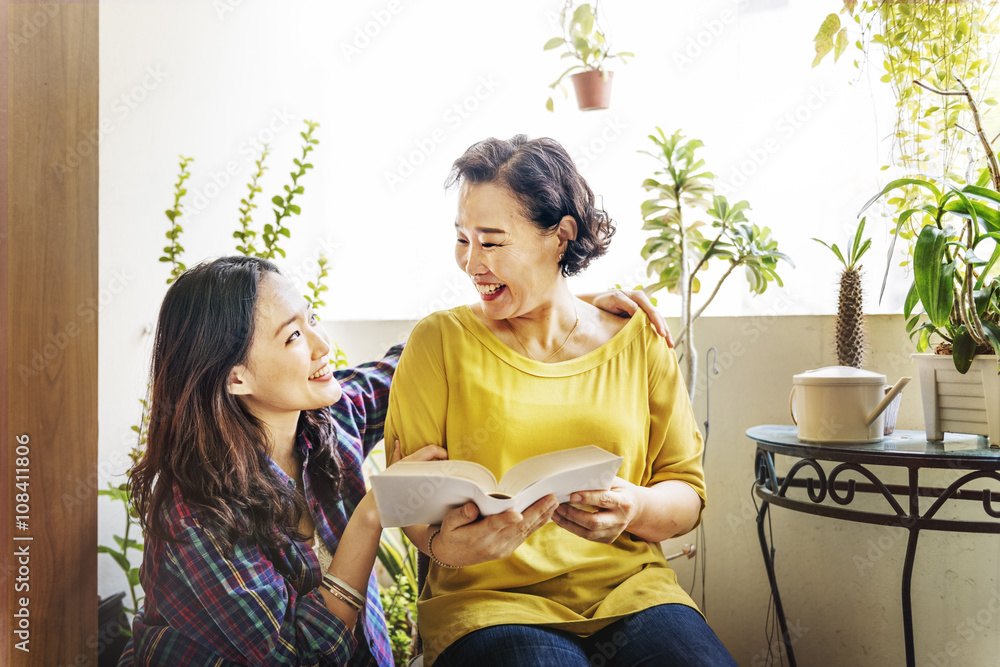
(282, 432)
(545, 329)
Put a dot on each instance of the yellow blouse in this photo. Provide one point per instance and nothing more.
(457, 385)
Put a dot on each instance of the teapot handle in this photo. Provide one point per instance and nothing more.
(791, 405)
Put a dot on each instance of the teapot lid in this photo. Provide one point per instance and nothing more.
(839, 375)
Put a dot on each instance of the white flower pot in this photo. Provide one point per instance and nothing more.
(957, 403)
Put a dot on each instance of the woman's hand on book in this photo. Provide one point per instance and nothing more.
(614, 510)
(465, 539)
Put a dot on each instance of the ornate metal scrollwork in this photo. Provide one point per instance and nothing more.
(848, 496)
(954, 488)
(817, 496)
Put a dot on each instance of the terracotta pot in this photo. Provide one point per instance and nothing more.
(593, 91)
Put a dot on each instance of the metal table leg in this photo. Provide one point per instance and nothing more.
(769, 565)
(911, 550)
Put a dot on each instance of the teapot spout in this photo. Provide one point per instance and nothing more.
(880, 408)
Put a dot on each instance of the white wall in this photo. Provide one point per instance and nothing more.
(209, 79)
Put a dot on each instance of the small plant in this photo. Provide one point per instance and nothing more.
(399, 601)
(680, 249)
(245, 235)
(283, 205)
(583, 40)
(850, 341)
(174, 250)
(133, 528)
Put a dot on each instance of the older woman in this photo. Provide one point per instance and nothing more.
(532, 369)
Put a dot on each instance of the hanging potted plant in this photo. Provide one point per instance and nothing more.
(584, 40)
(955, 295)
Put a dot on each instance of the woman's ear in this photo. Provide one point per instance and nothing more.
(566, 231)
(237, 382)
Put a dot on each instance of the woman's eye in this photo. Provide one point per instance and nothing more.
(295, 334)
(461, 241)
(491, 245)
(312, 318)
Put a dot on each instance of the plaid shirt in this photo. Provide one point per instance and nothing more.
(261, 606)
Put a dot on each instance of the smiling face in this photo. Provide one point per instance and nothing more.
(514, 265)
(288, 368)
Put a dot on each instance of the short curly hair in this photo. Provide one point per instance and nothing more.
(541, 176)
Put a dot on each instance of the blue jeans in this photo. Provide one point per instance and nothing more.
(667, 635)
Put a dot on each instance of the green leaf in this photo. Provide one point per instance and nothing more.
(824, 38)
(834, 248)
(933, 277)
(277, 201)
(963, 349)
(911, 300)
(119, 557)
(840, 44)
(898, 183)
(553, 43)
(133, 576)
(992, 331)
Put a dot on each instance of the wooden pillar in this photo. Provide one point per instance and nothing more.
(48, 263)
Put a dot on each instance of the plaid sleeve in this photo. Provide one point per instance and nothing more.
(366, 390)
(243, 609)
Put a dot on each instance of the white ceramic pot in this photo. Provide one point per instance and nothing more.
(960, 403)
(841, 404)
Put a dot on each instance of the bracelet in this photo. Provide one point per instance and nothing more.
(430, 552)
(343, 592)
(353, 604)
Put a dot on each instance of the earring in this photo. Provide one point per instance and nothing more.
(561, 255)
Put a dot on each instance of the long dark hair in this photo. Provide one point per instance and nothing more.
(542, 177)
(202, 438)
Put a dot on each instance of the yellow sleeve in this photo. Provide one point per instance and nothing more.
(418, 398)
(675, 442)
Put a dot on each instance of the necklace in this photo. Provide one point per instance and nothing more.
(558, 349)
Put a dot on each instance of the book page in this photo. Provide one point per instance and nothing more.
(474, 472)
(529, 471)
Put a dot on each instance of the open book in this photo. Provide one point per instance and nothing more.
(418, 492)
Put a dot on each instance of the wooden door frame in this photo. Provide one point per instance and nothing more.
(49, 265)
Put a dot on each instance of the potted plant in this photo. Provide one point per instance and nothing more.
(955, 295)
(850, 339)
(584, 40)
(680, 250)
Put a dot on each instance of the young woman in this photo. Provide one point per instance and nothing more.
(260, 538)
